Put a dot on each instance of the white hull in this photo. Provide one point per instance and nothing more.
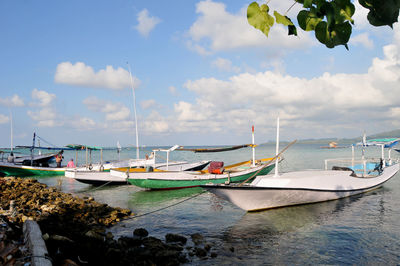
(301, 187)
(116, 177)
(98, 178)
(99, 168)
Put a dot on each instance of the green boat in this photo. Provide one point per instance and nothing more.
(183, 179)
(11, 169)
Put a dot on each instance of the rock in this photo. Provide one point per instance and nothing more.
(126, 242)
(45, 236)
(153, 243)
(140, 232)
(109, 235)
(69, 262)
(61, 238)
(95, 235)
(175, 238)
(200, 252)
(197, 238)
(76, 228)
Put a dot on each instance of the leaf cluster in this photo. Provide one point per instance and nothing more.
(331, 20)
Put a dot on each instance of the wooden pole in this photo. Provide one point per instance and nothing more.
(35, 243)
(270, 162)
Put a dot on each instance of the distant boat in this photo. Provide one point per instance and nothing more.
(311, 186)
(332, 145)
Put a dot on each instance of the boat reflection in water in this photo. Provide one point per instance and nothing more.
(147, 200)
(303, 233)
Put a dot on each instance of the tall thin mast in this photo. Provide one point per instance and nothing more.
(253, 147)
(277, 149)
(134, 108)
(11, 121)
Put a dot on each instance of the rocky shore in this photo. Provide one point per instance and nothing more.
(74, 230)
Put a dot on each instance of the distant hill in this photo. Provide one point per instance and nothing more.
(388, 134)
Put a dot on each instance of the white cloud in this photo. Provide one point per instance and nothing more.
(173, 90)
(112, 111)
(360, 16)
(45, 117)
(148, 104)
(156, 123)
(79, 74)
(146, 22)
(324, 105)
(14, 101)
(225, 65)
(82, 123)
(217, 30)
(42, 98)
(4, 119)
(362, 39)
(186, 113)
(45, 114)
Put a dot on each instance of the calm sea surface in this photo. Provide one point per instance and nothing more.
(358, 230)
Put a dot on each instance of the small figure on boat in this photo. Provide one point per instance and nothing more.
(10, 158)
(71, 164)
(332, 144)
(59, 158)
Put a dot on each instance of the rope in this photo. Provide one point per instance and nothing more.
(166, 207)
(35, 256)
(46, 141)
(96, 188)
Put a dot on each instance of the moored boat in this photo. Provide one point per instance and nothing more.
(310, 186)
(183, 179)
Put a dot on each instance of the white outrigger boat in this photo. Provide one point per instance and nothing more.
(311, 186)
(112, 175)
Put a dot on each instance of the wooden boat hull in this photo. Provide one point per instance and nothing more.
(98, 178)
(295, 188)
(8, 169)
(175, 180)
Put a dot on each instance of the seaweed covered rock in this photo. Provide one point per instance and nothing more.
(74, 229)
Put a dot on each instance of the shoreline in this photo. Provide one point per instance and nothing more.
(74, 229)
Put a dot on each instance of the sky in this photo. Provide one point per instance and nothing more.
(201, 75)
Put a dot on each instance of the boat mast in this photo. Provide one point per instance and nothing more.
(11, 133)
(33, 146)
(134, 107)
(277, 148)
(253, 147)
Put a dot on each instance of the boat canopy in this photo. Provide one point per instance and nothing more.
(386, 142)
(83, 147)
(217, 149)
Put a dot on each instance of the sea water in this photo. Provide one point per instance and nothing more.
(363, 229)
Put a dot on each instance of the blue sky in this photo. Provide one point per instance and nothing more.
(202, 75)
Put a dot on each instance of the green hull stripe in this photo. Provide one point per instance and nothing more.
(16, 171)
(169, 184)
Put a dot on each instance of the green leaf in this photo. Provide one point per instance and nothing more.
(344, 10)
(282, 19)
(382, 13)
(307, 3)
(339, 35)
(292, 30)
(259, 18)
(308, 20)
